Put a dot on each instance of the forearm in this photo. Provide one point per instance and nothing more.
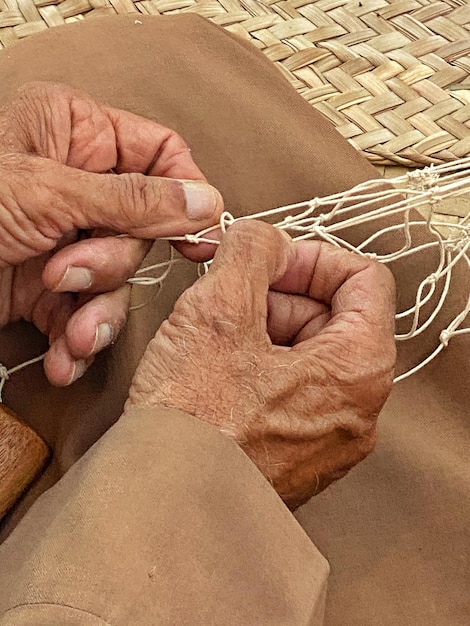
(163, 520)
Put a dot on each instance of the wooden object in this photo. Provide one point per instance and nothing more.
(392, 76)
(22, 456)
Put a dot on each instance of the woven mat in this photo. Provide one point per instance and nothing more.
(391, 75)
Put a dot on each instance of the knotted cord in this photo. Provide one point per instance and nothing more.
(323, 218)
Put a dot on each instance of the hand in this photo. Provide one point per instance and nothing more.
(58, 148)
(287, 348)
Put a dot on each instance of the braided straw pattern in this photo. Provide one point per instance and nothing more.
(391, 75)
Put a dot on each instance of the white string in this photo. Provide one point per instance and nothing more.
(146, 281)
(6, 373)
(320, 218)
(419, 189)
(137, 279)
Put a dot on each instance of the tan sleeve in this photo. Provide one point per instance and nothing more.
(163, 521)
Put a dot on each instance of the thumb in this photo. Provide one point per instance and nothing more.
(57, 198)
(252, 255)
(256, 250)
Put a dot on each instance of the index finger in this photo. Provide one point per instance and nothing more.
(149, 148)
(359, 291)
(67, 125)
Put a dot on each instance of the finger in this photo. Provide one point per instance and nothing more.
(51, 312)
(97, 323)
(200, 252)
(67, 125)
(361, 294)
(341, 279)
(44, 200)
(95, 265)
(146, 147)
(257, 251)
(292, 319)
(250, 257)
(60, 367)
(89, 330)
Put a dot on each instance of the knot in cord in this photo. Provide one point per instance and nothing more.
(420, 180)
(444, 337)
(318, 229)
(432, 278)
(313, 203)
(322, 218)
(226, 220)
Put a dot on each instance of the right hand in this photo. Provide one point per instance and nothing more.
(70, 165)
(286, 348)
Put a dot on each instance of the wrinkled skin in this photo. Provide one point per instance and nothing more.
(287, 348)
(71, 168)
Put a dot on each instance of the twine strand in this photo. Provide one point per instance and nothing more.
(421, 189)
(6, 373)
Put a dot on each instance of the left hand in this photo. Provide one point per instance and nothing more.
(72, 168)
(286, 348)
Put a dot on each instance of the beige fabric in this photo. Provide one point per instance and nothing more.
(150, 527)
(396, 529)
(241, 135)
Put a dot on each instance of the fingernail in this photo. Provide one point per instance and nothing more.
(103, 337)
(75, 279)
(200, 200)
(79, 368)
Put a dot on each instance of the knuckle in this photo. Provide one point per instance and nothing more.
(255, 229)
(176, 142)
(32, 117)
(37, 95)
(36, 89)
(365, 381)
(138, 195)
(259, 246)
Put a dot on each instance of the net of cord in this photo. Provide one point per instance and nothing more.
(418, 189)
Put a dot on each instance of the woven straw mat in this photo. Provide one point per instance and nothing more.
(391, 75)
